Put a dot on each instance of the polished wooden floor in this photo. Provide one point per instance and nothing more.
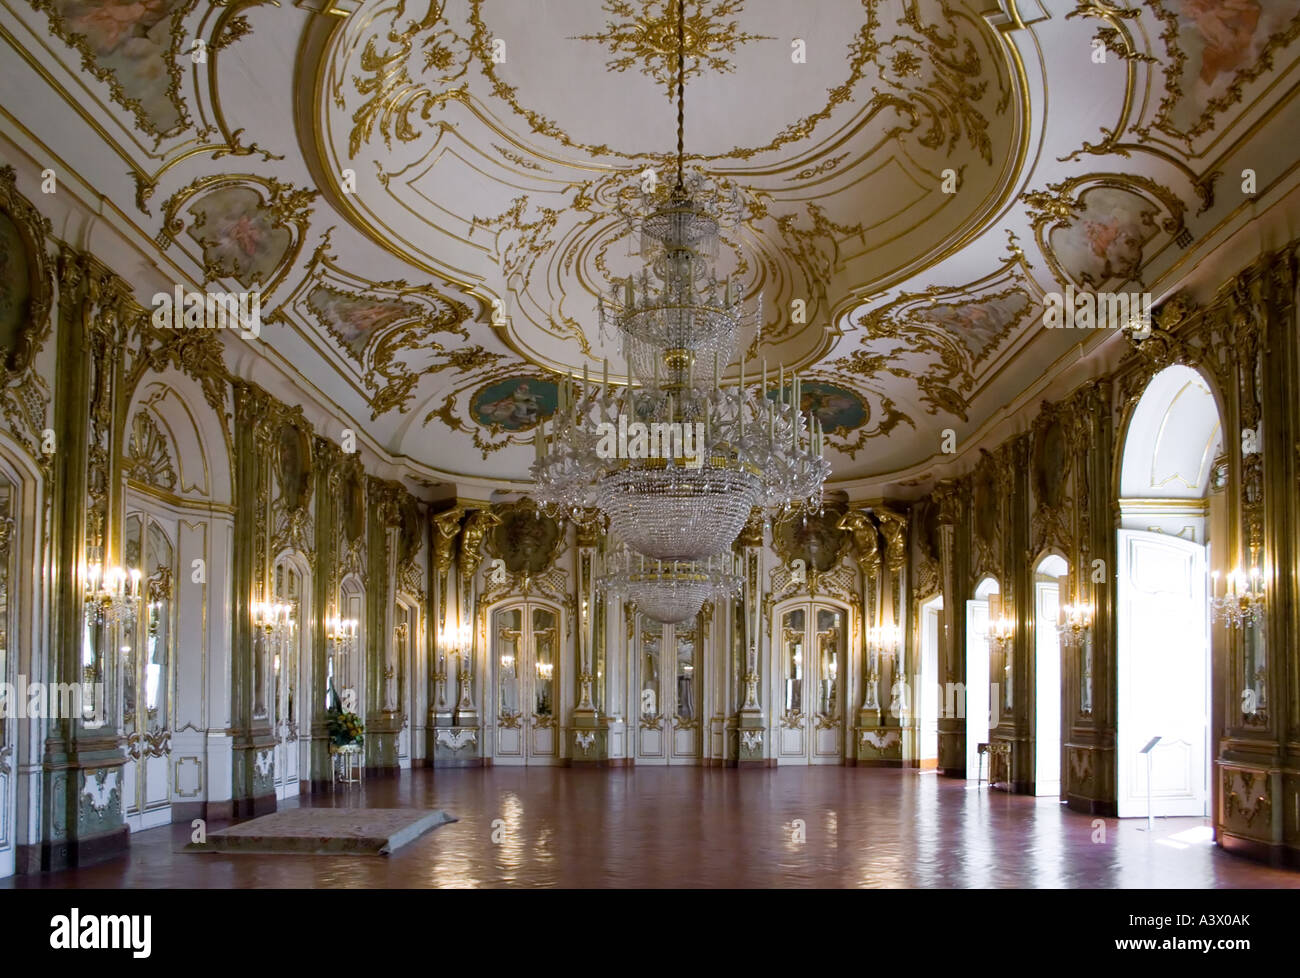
(698, 827)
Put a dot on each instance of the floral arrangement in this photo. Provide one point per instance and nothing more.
(345, 728)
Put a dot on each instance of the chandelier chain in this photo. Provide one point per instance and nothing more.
(681, 91)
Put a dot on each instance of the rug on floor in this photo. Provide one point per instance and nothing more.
(332, 831)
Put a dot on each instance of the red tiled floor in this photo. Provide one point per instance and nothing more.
(700, 827)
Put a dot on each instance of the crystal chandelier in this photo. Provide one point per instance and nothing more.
(670, 591)
(1242, 602)
(674, 462)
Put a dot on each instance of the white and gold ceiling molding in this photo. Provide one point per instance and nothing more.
(481, 161)
(482, 151)
(1197, 59)
(244, 228)
(946, 341)
(387, 334)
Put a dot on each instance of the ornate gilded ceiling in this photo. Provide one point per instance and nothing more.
(431, 195)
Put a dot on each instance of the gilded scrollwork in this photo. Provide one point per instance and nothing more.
(389, 329)
(26, 297)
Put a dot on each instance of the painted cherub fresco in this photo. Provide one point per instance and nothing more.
(1117, 246)
(836, 410)
(239, 234)
(1228, 30)
(355, 319)
(131, 40)
(110, 24)
(979, 325)
(518, 409)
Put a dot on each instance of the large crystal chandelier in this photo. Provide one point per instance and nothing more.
(674, 460)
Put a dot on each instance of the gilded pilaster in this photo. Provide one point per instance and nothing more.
(252, 739)
(445, 530)
(751, 723)
(952, 644)
(588, 737)
(383, 719)
(328, 460)
(83, 765)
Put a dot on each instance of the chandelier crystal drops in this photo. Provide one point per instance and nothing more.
(1242, 602)
(670, 591)
(676, 468)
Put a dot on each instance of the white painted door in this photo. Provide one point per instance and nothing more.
(927, 696)
(1163, 664)
(287, 657)
(668, 667)
(404, 639)
(9, 535)
(810, 643)
(526, 675)
(976, 692)
(1047, 689)
(146, 678)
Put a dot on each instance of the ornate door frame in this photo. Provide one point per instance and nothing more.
(804, 733)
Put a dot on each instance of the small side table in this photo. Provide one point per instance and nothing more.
(347, 764)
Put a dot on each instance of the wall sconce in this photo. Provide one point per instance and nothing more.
(1242, 602)
(112, 595)
(884, 638)
(340, 632)
(274, 619)
(1075, 620)
(1001, 632)
(453, 639)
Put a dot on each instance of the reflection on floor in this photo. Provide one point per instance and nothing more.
(699, 827)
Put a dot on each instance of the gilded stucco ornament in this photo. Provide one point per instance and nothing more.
(390, 333)
(866, 539)
(942, 339)
(148, 455)
(26, 297)
(417, 83)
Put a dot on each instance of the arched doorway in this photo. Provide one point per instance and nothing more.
(980, 611)
(176, 529)
(1049, 582)
(1163, 654)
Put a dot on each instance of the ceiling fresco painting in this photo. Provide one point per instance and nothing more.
(432, 196)
(132, 46)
